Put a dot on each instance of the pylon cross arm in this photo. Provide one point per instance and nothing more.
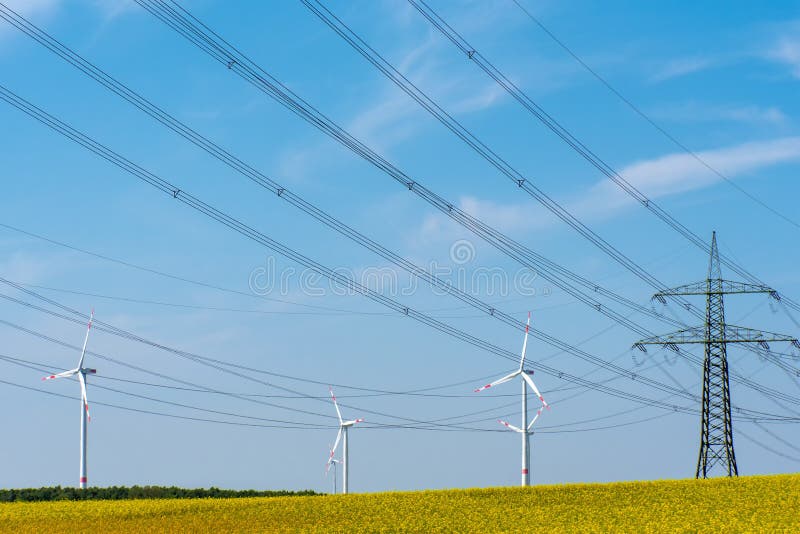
(731, 334)
(726, 287)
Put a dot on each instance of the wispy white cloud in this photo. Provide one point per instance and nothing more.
(508, 218)
(769, 114)
(34, 9)
(787, 51)
(296, 165)
(667, 175)
(680, 172)
(42, 10)
(393, 117)
(679, 67)
(389, 117)
(204, 114)
(23, 268)
(111, 9)
(486, 98)
(385, 122)
(697, 112)
(485, 16)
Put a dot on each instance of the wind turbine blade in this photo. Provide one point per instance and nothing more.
(60, 375)
(331, 462)
(84, 398)
(335, 444)
(525, 342)
(496, 382)
(509, 425)
(529, 380)
(336, 404)
(538, 413)
(86, 339)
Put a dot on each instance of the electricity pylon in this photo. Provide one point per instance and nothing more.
(716, 429)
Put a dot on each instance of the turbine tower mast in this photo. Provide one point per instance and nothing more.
(346, 460)
(526, 448)
(81, 373)
(341, 436)
(525, 428)
(716, 425)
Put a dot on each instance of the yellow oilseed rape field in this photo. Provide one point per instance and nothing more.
(746, 504)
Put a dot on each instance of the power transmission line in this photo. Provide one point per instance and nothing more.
(161, 115)
(553, 429)
(100, 325)
(529, 104)
(460, 427)
(420, 425)
(499, 163)
(251, 72)
(295, 200)
(250, 311)
(151, 412)
(748, 437)
(636, 109)
(105, 327)
(226, 54)
(542, 430)
(77, 319)
(519, 180)
(161, 273)
(261, 425)
(346, 282)
(208, 285)
(175, 193)
(370, 392)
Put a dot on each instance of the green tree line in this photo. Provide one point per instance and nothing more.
(57, 493)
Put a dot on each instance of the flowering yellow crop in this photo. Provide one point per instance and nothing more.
(746, 504)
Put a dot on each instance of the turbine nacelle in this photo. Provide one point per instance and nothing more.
(522, 372)
(351, 423)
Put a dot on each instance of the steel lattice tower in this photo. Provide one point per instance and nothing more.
(716, 429)
(716, 426)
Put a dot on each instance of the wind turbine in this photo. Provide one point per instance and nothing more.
(343, 427)
(525, 429)
(333, 462)
(81, 371)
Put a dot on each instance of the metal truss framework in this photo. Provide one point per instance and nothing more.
(716, 429)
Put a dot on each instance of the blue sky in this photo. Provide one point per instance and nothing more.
(721, 79)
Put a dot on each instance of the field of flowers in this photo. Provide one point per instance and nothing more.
(746, 504)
